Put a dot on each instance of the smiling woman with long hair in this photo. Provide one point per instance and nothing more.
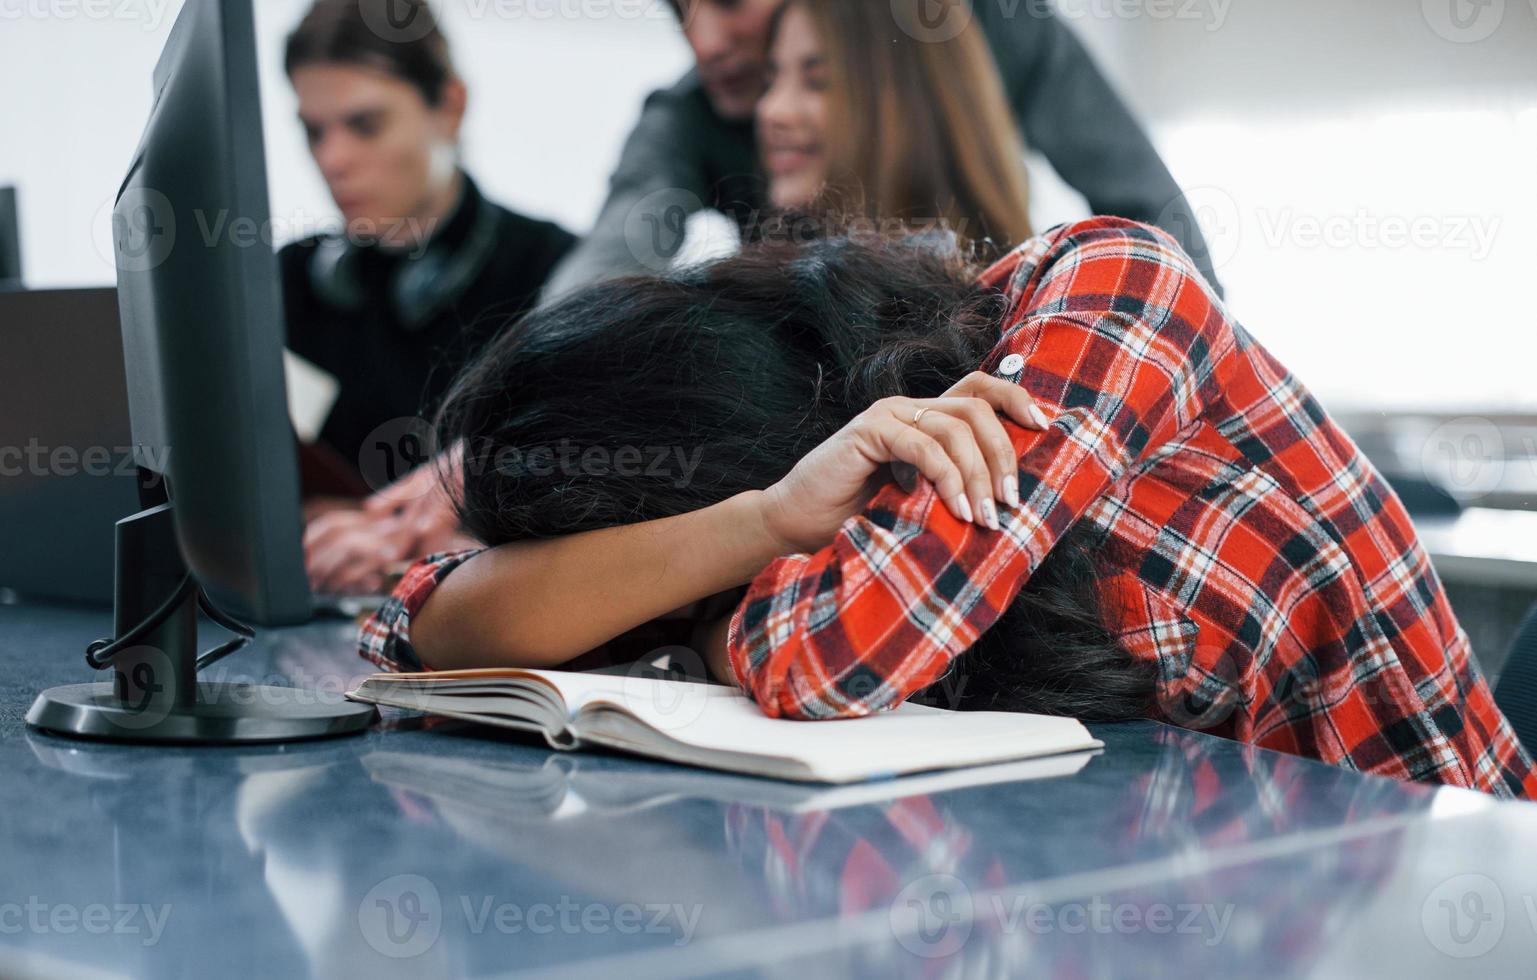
(1068, 484)
(863, 117)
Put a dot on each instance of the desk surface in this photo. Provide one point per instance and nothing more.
(412, 852)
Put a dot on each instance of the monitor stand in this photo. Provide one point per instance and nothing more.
(154, 695)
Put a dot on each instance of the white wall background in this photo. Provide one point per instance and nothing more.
(1312, 135)
(552, 98)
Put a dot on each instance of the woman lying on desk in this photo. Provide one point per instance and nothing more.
(1190, 537)
(1069, 483)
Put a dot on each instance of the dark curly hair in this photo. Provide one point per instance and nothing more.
(741, 367)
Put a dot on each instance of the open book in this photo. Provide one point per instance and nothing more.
(718, 727)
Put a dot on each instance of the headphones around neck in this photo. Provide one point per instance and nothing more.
(420, 288)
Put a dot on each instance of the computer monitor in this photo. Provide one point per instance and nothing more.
(10, 240)
(202, 346)
(202, 320)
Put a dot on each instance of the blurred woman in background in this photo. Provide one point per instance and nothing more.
(425, 273)
(862, 118)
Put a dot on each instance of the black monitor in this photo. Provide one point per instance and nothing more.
(202, 320)
(10, 240)
(202, 347)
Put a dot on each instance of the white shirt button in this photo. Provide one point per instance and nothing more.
(1012, 364)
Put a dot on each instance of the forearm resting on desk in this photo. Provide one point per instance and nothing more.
(542, 603)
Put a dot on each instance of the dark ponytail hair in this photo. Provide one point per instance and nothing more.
(398, 37)
(643, 398)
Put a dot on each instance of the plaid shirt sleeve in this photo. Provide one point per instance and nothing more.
(385, 637)
(1120, 361)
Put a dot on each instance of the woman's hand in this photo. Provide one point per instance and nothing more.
(956, 442)
(349, 552)
(419, 499)
(354, 551)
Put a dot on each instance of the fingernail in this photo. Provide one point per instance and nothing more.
(962, 506)
(989, 512)
(1011, 490)
(1039, 417)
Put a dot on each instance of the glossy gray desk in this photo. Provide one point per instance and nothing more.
(417, 853)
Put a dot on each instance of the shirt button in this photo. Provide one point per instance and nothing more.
(1012, 364)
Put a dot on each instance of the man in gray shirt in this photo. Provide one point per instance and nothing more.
(694, 145)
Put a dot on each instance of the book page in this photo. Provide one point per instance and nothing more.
(714, 719)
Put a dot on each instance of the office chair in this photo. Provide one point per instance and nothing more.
(1516, 692)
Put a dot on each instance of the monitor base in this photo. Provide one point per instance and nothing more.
(223, 713)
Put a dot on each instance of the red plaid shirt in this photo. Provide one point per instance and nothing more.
(1252, 553)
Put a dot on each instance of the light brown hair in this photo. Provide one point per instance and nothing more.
(919, 129)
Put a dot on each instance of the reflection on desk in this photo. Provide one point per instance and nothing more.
(569, 786)
(453, 851)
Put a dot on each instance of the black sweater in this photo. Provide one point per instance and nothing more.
(389, 370)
